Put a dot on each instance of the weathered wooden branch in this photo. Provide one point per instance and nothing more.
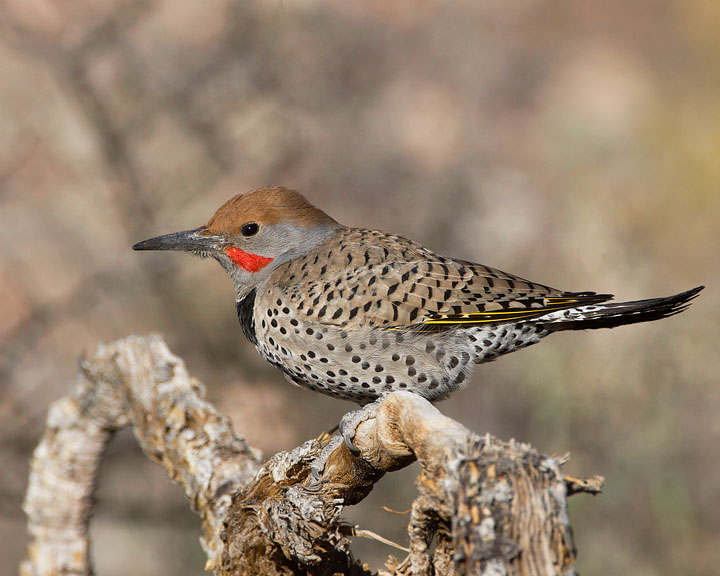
(484, 506)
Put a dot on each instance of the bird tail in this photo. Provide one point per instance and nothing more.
(611, 314)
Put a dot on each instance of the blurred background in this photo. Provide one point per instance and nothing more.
(576, 144)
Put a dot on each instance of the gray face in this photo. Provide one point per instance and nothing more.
(252, 255)
(251, 258)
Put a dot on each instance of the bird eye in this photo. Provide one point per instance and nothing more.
(249, 229)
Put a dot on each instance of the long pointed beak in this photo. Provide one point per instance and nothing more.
(186, 241)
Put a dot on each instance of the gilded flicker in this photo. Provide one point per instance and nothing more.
(357, 313)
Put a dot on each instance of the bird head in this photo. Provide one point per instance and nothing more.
(252, 234)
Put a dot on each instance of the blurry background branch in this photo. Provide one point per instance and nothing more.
(484, 506)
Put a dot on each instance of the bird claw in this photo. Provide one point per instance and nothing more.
(346, 429)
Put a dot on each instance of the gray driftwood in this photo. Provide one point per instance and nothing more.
(484, 506)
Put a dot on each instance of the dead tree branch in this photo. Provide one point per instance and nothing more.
(490, 507)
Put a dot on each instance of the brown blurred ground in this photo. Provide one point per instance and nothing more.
(577, 144)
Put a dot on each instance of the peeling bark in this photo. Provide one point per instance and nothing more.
(484, 506)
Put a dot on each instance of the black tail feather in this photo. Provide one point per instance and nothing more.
(619, 313)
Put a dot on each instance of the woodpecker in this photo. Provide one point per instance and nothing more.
(356, 313)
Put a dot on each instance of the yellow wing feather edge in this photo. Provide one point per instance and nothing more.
(552, 304)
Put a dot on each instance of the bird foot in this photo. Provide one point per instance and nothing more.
(346, 433)
(351, 420)
(317, 466)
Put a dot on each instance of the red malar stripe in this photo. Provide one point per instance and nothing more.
(250, 262)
